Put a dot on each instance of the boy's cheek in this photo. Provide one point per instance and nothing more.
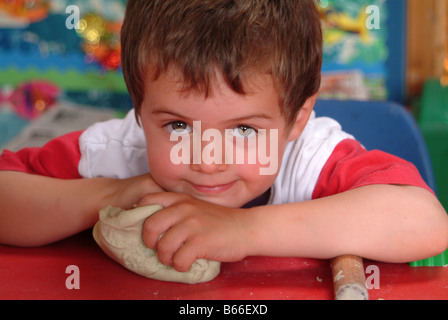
(159, 154)
(167, 176)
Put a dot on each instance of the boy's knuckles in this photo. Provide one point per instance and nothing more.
(164, 257)
(181, 265)
(183, 259)
(194, 224)
(165, 251)
(149, 227)
(151, 233)
(186, 206)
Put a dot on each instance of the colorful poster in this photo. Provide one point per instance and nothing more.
(44, 59)
(355, 50)
(37, 45)
(46, 55)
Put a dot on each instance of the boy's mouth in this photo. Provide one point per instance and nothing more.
(213, 189)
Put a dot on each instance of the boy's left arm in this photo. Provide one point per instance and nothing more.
(389, 223)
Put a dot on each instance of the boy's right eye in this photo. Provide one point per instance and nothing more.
(178, 127)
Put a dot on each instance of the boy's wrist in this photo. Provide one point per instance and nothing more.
(250, 221)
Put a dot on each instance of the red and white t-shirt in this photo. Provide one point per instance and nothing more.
(323, 161)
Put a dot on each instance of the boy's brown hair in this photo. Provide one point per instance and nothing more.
(233, 37)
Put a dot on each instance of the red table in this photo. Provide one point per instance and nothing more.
(40, 273)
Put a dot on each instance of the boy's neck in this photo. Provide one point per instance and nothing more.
(259, 201)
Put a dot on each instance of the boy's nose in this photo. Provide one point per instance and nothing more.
(208, 159)
(208, 167)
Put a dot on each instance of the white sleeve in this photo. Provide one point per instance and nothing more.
(304, 159)
(113, 149)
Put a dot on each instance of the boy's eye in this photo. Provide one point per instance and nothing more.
(178, 127)
(243, 131)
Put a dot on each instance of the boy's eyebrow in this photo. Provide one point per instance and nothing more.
(162, 110)
(251, 117)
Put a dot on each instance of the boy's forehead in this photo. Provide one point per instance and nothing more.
(174, 79)
(166, 94)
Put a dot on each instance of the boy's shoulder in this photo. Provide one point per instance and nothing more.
(317, 141)
(114, 148)
(125, 131)
(323, 129)
(304, 159)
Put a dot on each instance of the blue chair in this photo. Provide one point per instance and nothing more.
(388, 127)
(384, 126)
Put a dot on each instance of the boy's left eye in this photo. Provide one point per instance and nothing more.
(244, 131)
(178, 127)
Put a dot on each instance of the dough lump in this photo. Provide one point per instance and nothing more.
(119, 234)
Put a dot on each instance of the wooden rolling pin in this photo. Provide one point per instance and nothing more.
(349, 278)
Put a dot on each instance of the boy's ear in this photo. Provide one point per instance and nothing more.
(302, 118)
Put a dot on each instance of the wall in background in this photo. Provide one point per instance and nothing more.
(41, 60)
(427, 40)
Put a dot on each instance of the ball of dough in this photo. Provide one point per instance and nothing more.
(119, 234)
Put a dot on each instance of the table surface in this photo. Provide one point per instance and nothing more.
(41, 273)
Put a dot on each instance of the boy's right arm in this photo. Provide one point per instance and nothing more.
(37, 210)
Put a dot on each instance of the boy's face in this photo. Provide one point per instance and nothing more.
(209, 169)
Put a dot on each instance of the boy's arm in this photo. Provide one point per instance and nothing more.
(388, 223)
(381, 222)
(37, 210)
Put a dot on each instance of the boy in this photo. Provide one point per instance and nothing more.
(244, 69)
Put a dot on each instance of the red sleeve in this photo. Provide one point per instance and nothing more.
(351, 166)
(58, 158)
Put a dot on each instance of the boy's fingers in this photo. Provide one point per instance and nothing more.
(154, 227)
(170, 243)
(159, 223)
(163, 232)
(152, 198)
(165, 199)
(184, 258)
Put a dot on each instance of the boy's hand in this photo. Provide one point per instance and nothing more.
(188, 229)
(129, 191)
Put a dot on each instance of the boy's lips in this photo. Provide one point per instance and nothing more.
(213, 189)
